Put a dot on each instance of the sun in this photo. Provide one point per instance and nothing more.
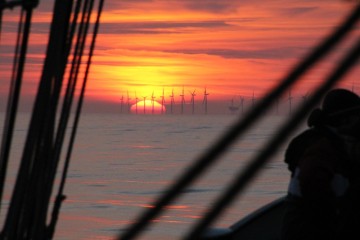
(148, 107)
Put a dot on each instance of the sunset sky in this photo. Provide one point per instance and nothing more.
(231, 47)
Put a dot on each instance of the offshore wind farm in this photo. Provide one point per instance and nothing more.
(192, 101)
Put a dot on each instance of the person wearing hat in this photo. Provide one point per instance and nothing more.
(324, 160)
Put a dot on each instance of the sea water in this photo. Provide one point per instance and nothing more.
(121, 163)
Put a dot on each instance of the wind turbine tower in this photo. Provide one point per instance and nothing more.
(128, 101)
(205, 100)
(152, 102)
(172, 101)
(253, 99)
(162, 102)
(144, 97)
(136, 103)
(233, 108)
(242, 100)
(290, 101)
(193, 101)
(182, 101)
(121, 103)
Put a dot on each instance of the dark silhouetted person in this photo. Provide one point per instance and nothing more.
(323, 195)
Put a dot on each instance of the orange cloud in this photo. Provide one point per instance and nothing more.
(230, 46)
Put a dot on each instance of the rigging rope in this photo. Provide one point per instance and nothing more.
(69, 95)
(14, 93)
(60, 196)
(26, 217)
(24, 212)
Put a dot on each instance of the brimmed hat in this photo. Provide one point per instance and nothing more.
(337, 104)
(341, 102)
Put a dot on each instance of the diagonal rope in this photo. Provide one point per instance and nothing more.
(239, 128)
(23, 206)
(246, 175)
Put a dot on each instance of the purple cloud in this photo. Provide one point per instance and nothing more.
(267, 53)
(157, 27)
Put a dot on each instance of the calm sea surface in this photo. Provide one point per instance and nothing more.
(121, 163)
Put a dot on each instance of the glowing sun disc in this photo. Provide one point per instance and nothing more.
(147, 107)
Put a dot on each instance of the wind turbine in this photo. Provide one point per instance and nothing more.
(172, 101)
(182, 101)
(144, 103)
(193, 100)
(128, 101)
(152, 102)
(277, 106)
(253, 99)
(290, 101)
(242, 100)
(121, 103)
(205, 100)
(136, 103)
(232, 108)
(162, 102)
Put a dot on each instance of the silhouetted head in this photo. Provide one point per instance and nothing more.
(341, 102)
(340, 108)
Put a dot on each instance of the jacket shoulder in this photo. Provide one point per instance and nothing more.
(299, 145)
